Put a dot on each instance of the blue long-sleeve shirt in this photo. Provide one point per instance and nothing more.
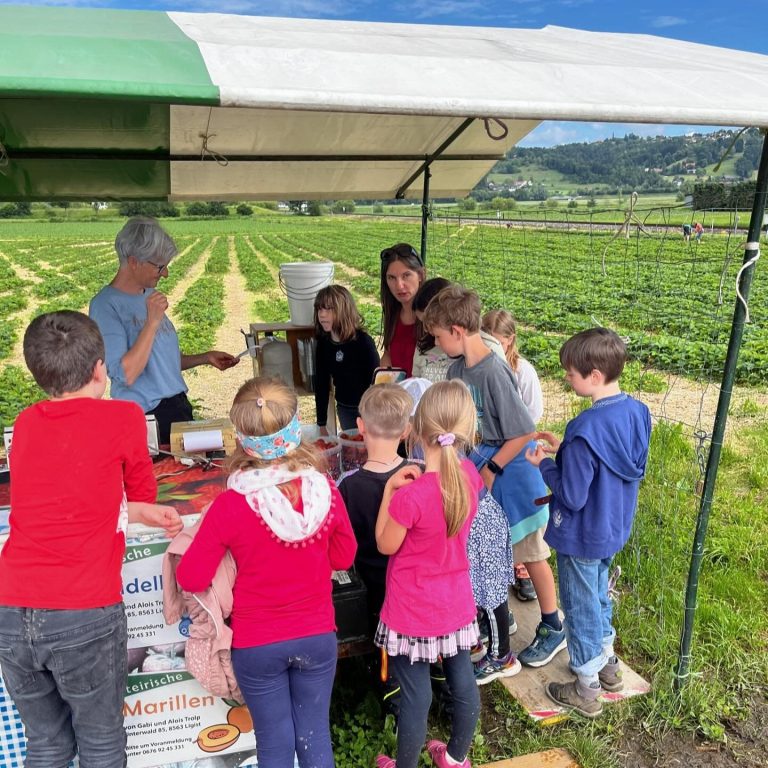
(595, 478)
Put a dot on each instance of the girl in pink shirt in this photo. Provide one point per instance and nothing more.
(287, 528)
(429, 610)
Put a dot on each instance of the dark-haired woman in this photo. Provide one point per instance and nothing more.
(402, 273)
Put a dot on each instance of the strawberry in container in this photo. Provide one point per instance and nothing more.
(330, 447)
(353, 451)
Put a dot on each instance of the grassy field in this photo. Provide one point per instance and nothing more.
(672, 300)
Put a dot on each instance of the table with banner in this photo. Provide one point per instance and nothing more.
(170, 719)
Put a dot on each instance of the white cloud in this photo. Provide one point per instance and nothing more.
(661, 22)
(550, 134)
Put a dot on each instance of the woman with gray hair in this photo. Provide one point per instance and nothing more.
(144, 361)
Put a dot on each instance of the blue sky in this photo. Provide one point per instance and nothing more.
(742, 25)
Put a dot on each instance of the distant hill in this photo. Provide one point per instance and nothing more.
(646, 164)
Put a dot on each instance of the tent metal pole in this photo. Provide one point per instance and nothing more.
(729, 375)
(400, 194)
(425, 214)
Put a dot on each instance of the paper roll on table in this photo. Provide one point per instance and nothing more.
(203, 440)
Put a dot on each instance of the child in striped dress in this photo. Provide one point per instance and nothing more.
(429, 609)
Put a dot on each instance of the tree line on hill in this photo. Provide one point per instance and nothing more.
(647, 164)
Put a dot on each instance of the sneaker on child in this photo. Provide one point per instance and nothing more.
(438, 751)
(490, 669)
(384, 761)
(611, 676)
(523, 586)
(477, 651)
(575, 697)
(546, 644)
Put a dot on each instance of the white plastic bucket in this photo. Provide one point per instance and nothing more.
(301, 282)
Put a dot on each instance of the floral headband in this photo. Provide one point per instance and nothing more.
(273, 446)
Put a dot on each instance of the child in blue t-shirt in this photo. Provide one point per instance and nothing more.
(594, 480)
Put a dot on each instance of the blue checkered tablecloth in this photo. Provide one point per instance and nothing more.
(12, 740)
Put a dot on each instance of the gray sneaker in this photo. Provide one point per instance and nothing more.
(546, 644)
(611, 676)
(574, 697)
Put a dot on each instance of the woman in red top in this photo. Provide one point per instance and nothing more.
(288, 529)
(402, 273)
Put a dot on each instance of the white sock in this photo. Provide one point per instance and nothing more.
(450, 760)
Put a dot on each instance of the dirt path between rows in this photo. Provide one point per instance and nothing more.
(214, 390)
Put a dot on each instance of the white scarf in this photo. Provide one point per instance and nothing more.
(259, 487)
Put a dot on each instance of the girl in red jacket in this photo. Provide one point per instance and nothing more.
(287, 529)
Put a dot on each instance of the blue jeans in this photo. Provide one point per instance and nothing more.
(416, 696)
(588, 612)
(287, 687)
(65, 671)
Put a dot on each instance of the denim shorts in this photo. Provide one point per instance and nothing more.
(65, 671)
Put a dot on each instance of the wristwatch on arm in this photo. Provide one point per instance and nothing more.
(494, 467)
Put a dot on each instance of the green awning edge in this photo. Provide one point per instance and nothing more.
(100, 53)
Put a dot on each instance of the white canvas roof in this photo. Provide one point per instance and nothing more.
(99, 103)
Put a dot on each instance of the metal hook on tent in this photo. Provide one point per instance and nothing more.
(504, 130)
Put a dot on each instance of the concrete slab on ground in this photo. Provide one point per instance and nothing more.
(528, 686)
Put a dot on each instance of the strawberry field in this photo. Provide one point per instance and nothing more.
(673, 300)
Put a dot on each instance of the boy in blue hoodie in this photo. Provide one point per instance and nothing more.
(594, 479)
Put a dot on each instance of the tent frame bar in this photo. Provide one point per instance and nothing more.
(438, 153)
(426, 171)
(129, 155)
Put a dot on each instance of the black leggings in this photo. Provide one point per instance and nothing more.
(498, 624)
(416, 697)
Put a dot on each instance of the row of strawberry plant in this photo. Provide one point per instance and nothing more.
(201, 310)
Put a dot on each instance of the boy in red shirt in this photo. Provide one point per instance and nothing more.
(80, 471)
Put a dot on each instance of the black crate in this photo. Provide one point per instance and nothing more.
(350, 601)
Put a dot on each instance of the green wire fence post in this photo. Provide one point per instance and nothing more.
(729, 374)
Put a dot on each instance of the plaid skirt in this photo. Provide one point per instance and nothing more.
(426, 648)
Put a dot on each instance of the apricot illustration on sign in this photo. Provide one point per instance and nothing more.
(214, 738)
(240, 717)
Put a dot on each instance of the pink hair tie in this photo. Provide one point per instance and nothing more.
(447, 439)
(260, 402)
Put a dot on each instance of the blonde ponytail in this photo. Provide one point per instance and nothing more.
(446, 417)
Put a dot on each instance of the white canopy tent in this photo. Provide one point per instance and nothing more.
(124, 104)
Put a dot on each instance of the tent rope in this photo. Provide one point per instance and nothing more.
(499, 136)
(748, 247)
(206, 151)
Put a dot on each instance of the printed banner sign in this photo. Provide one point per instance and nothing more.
(170, 717)
(143, 594)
